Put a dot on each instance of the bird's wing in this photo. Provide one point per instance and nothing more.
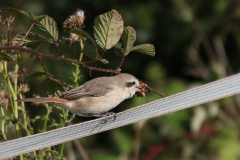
(94, 88)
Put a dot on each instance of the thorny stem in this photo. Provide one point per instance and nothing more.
(25, 122)
(24, 115)
(50, 76)
(77, 66)
(63, 124)
(59, 57)
(13, 98)
(45, 123)
(15, 88)
(19, 43)
(8, 84)
(3, 123)
(18, 135)
(120, 64)
(58, 49)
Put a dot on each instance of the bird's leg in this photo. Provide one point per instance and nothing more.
(106, 115)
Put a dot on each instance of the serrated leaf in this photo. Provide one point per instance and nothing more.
(104, 61)
(28, 14)
(128, 38)
(147, 49)
(7, 10)
(90, 50)
(108, 29)
(5, 57)
(48, 27)
(35, 74)
(32, 40)
(52, 86)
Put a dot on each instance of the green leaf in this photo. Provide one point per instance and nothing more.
(7, 10)
(118, 45)
(128, 38)
(31, 41)
(118, 48)
(28, 14)
(90, 50)
(147, 49)
(35, 74)
(52, 86)
(48, 27)
(5, 57)
(108, 29)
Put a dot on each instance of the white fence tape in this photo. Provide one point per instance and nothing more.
(193, 97)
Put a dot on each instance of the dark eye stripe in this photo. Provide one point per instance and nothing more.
(130, 84)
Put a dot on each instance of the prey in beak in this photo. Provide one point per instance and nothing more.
(142, 91)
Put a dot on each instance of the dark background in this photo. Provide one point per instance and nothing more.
(196, 42)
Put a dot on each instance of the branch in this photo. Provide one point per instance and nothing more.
(38, 54)
(49, 75)
(120, 64)
(18, 44)
(58, 49)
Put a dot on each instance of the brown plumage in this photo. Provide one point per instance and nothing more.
(95, 97)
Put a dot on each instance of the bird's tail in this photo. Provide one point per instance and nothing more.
(44, 100)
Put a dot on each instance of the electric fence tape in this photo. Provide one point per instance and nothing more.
(206, 93)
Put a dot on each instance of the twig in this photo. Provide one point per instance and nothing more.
(38, 54)
(50, 76)
(18, 44)
(120, 64)
(58, 49)
(152, 90)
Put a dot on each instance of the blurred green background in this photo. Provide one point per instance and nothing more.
(196, 42)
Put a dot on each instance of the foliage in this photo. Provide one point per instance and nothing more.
(108, 29)
(196, 42)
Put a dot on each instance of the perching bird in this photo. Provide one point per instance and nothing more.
(95, 97)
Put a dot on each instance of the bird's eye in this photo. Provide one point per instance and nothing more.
(133, 83)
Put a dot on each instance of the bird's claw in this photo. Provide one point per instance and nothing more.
(107, 116)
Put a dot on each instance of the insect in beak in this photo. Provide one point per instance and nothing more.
(142, 92)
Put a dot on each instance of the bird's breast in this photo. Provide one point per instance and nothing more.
(99, 104)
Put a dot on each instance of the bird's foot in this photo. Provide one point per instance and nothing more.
(106, 115)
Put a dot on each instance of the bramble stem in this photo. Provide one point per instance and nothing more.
(59, 57)
(19, 43)
(3, 123)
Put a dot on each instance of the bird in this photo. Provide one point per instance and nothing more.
(95, 97)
